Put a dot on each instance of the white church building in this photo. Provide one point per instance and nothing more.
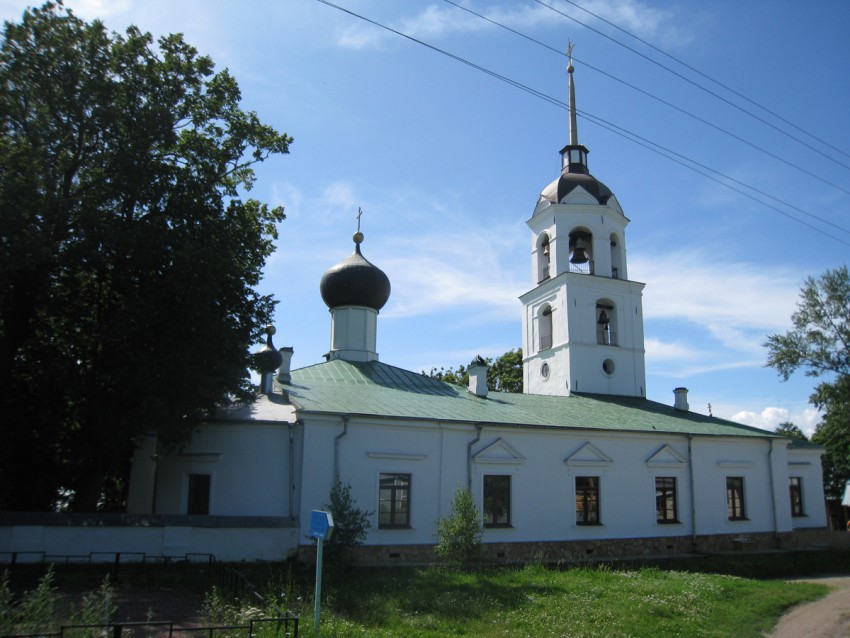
(580, 464)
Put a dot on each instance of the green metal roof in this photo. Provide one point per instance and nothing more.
(377, 389)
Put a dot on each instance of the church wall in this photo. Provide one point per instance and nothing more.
(99, 537)
(543, 465)
(225, 451)
(805, 463)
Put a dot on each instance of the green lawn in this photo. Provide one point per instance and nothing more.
(536, 601)
(733, 596)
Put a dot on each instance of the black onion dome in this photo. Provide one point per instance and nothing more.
(567, 182)
(268, 359)
(355, 281)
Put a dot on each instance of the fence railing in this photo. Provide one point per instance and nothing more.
(231, 580)
(284, 626)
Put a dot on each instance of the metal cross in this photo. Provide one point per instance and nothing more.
(359, 213)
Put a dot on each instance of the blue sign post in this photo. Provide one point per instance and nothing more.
(321, 528)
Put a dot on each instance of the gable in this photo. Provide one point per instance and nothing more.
(666, 456)
(499, 451)
(588, 455)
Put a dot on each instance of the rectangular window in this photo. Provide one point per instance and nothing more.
(394, 501)
(587, 500)
(199, 494)
(497, 501)
(735, 498)
(665, 499)
(796, 488)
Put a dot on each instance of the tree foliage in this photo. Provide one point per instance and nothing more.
(504, 374)
(460, 533)
(127, 256)
(351, 524)
(819, 344)
(833, 432)
(791, 431)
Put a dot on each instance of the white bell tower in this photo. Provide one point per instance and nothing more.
(582, 321)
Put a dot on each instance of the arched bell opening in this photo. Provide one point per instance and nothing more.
(544, 322)
(544, 258)
(606, 323)
(581, 251)
(617, 271)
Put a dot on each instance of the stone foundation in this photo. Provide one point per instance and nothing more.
(587, 550)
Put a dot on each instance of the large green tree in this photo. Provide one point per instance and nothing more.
(128, 258)
(504, 373)
(819, 344)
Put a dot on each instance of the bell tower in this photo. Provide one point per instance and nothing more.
(582, 321)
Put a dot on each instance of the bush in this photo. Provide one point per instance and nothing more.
(350, 525)
(460, 533)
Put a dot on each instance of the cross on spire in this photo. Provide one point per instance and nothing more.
(359, 214)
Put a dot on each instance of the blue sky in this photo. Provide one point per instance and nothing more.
(447, 163)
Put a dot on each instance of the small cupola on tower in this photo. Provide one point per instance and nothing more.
(574, 170)
(354, 290)
(573, 155)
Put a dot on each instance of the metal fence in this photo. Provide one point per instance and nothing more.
(285, 626)
(231, 580)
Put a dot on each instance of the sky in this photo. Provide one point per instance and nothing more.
(447, 161)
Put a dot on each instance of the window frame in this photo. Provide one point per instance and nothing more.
(503, 500)
(199, 494)
(588, 503)
(545, 337)
(735, 499)
(795, 488)
(398, 493)
(667, 501)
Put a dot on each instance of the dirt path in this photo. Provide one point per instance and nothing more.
(825, 618)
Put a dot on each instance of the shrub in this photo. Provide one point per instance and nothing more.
(460, 532)
(350, 525)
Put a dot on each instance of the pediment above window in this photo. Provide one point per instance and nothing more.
(588, 455)
(499, 451)
(579, 196)
(666, 456)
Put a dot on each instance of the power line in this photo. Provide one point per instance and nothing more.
(695, 84)
(607, 125)
(683, 161)
(734, 136)
(707, 77)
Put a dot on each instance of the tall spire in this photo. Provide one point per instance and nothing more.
(572, 100)
(573, 155)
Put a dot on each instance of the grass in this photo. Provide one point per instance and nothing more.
(726, 596)
(541, 601)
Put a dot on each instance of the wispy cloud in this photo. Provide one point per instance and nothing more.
(727, 309)
(436, 22)
(445, 266)
(729, 299)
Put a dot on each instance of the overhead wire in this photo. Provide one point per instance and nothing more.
(608, 126)
(687, 161)
(695, 84)
(707, 77)
(702, 120)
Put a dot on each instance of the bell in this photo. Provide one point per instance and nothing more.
(578, 256)
(603, 319)
(546, 249)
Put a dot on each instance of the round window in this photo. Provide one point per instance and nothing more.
(608, 367)
(544, 370)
